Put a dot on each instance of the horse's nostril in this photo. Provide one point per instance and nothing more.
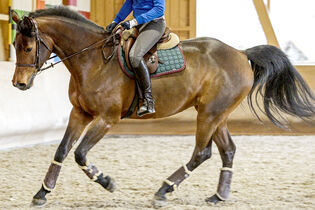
(21, 85)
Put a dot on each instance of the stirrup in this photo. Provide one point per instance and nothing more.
(146, 108)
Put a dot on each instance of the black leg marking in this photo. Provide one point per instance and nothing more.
(166, 188)
(40, 198)
(213, 199)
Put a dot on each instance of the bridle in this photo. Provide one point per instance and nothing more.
(39, 40)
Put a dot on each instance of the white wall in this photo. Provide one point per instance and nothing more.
(233, 22)
(40, 110)
(294, 20)
(25, 5)
(237, 23)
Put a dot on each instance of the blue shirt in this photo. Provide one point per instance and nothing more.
(143, 10)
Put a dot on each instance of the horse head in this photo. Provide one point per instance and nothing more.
(32, 50)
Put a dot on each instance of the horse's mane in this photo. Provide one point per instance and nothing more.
(65, 12)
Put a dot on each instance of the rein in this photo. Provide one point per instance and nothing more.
(39, 40)
(76, 53)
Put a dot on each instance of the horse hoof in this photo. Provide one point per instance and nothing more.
(38, 202)
(158, 202)
(213, 199)
(111, 187)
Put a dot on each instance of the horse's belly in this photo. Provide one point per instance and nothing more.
(173, 94)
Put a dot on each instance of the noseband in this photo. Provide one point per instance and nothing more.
(38, 40)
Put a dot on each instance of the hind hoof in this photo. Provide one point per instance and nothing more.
(158, 202)
(213, 199)
(111, 187)
(38, 202)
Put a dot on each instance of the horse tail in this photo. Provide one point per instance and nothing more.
(281, 86)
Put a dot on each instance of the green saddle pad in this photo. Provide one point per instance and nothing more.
(173, 61)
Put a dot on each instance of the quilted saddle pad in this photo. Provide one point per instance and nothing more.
(171, 61)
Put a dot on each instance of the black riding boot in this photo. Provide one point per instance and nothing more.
(143, 79)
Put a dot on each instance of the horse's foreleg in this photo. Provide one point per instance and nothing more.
(96, 131)
(77, 122)
(202, 152)
(227, 149)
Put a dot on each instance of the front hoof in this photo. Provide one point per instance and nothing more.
(38, 202)
(158, 201)
(213, 199)
(111, 186)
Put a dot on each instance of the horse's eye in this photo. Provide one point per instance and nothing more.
(28, 49)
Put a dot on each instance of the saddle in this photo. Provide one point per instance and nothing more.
(167, 41)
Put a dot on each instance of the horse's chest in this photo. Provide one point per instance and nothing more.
(81, 99)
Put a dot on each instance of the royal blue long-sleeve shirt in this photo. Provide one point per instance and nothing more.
(143, 10)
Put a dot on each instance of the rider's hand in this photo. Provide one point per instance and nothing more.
(111, 27)
(129, 24)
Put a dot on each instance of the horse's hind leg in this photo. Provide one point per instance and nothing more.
(206, 125)
(77, 123)
(213, 110)
(97, 129)
(227, 149)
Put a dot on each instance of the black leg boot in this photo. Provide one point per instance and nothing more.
(143, 78)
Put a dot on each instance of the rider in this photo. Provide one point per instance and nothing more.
(149, 19)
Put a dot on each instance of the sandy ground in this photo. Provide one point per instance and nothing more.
(269, 173)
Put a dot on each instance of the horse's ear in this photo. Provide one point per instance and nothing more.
(29, 27)
(28, 24)
(15, 16)
(26, 27)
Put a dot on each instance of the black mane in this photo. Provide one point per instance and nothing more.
(62, 11)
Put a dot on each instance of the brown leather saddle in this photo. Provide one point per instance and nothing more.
(151, 58)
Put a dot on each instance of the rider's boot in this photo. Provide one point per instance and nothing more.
(143, 78)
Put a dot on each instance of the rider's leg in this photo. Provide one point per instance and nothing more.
(148, 37)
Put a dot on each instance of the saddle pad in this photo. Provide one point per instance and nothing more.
(173, 61)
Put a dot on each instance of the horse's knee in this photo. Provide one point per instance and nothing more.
(61, 154)
(79, 157)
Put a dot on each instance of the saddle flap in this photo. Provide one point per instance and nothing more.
(128, 39)
(151, 59)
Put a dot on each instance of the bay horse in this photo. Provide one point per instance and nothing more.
(216, 80)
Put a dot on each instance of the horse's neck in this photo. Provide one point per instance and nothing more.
(69, 37)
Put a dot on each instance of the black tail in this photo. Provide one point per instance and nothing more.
(283, 89)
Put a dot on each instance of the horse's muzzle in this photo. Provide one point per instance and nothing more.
(21, 86)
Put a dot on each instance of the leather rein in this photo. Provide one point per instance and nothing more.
(39, 40)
